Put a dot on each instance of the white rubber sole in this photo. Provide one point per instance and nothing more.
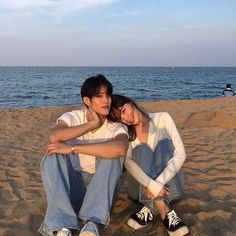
(179, 232)
(134, 224)
(87, 233)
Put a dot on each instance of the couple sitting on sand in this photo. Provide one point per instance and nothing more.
(85, 157)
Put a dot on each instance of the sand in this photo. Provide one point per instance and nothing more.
(208, 207)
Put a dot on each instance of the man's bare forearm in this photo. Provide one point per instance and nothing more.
(108, 149)
(65, 133)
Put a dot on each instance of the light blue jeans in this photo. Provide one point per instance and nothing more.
(153, 164)
(69, 196)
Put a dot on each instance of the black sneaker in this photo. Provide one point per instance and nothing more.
(174, 225)
(140, 219)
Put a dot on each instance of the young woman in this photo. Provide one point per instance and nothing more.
(154, 159)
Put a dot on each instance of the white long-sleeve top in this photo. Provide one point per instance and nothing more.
(161, 127)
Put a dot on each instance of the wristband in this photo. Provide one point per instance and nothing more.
(73, 149)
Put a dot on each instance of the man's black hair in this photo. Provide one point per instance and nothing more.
(91, 86)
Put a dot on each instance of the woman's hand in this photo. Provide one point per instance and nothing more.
(164, 192)
(60, 147)
(148, 194)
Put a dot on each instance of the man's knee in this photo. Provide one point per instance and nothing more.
(51, 160)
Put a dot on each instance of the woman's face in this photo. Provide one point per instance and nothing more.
(129, 114)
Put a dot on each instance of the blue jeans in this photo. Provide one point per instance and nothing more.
(153, 163)
(69, 197)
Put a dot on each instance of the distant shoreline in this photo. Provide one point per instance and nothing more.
(139, 102)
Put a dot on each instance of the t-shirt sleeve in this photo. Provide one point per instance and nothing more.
(72, 118)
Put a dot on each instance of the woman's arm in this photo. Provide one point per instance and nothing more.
(169, 130)
(135, 170)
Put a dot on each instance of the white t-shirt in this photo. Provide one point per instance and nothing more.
(161, 127)
(106, 132)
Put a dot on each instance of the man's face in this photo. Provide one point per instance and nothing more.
(101, 103)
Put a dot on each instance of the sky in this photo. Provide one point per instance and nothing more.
(117, 33)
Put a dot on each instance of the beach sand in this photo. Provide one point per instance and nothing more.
(208, 207)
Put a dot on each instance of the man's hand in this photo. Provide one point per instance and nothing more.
(93, 118)
(59, 147)
(164, 192)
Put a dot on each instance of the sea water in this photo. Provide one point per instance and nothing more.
(26, 87)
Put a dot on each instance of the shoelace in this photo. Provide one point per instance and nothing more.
(173, 218)
(144, 213)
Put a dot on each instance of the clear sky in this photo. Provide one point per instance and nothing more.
(118, 32)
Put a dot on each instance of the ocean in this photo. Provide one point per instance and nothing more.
(27, 87)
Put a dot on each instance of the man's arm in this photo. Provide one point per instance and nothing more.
(111, 149)
(63, 133)
(114, 148)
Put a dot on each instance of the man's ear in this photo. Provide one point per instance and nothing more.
(86, 101)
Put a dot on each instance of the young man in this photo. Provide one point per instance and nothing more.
(83, 164)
